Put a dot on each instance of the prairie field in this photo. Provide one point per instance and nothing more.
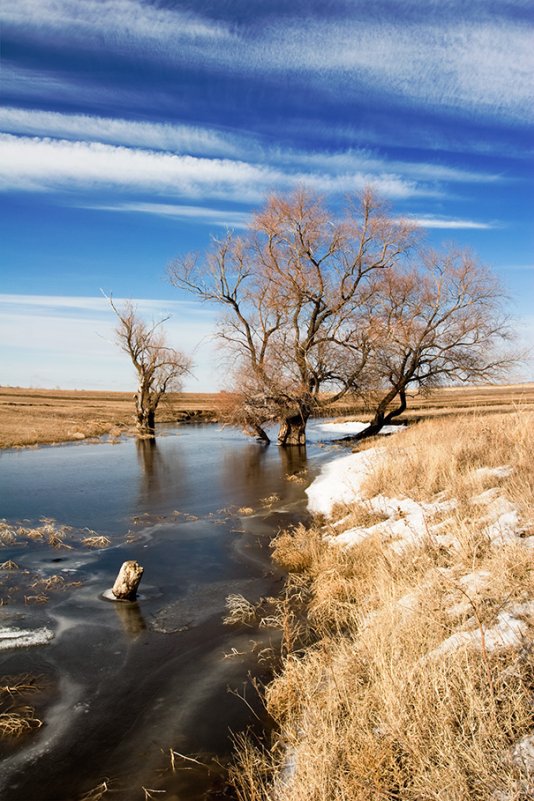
(41, 416)
(406, 668)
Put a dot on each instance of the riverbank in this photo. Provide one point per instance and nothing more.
(33, 417)
(409, 613)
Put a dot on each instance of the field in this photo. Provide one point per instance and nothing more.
(41, 416)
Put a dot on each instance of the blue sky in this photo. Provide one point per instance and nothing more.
(133, 130)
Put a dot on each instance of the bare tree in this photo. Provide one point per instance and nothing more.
(160, 368)
(291, 290)
(439, 322)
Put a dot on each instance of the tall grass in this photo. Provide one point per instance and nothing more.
(366, 706)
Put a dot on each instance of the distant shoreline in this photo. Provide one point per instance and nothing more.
(33, 417)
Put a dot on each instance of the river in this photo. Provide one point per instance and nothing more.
(121, 685)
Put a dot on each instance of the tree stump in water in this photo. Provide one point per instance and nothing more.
(127, 582)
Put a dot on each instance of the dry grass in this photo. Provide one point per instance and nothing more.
(17, 720)
(366, 706)
(96, 541)
(49, 532)
(39, 416)
(98, 792)
(240, 611)
(451, 456)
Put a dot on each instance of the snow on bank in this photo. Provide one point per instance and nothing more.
(354, 427)
(340, 481)
(407, 523)
(510, 630)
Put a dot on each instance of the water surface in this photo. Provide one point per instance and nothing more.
(124, 683)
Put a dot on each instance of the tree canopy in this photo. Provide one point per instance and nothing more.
(291, 289)
(316, 306)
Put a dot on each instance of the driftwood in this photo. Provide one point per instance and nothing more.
(127, 582)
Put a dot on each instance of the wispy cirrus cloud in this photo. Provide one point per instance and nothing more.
(200, 214)
(448, 59)
(114, 20)
(479, 67)
(58, 304)
(36, 164)
(429, 221)
(203, 140)
(112, 130)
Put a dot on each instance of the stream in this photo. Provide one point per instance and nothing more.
(124, 688)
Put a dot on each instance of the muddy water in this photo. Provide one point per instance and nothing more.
(122, 684)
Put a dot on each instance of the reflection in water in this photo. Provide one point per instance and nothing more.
(293, 459)
(131, 617)
(149, 459)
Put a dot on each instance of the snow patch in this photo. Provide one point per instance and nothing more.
(523, 753)
(473, 582)
(340, 481)
(502, 471)
(508, 632)
(355, 427)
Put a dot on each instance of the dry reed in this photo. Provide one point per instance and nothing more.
(368, 703)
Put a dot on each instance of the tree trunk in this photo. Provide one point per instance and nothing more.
(146, 418)
(293, 430)
(127, 582)
(261, 434)
(381, 418)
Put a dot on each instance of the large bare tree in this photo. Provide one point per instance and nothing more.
(290, 291)
(441, 321)
(160, 368)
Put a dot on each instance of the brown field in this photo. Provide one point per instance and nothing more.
(41, 416)
(458, 400)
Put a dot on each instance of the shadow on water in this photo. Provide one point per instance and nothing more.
(130, 681)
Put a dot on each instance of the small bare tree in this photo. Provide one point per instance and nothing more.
(439, 322)
(291, 289)
(160, 368)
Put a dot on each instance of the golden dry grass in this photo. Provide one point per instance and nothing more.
(38, 416)
(368, 705)
(16, 720)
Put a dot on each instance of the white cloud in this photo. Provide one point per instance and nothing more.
(202, 214)
(428, 221)
(44, 164)
(35, 164)
(161, 136)
(99, 304)
(114, 20)
(480, 65)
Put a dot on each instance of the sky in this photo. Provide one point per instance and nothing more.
(134, 131)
